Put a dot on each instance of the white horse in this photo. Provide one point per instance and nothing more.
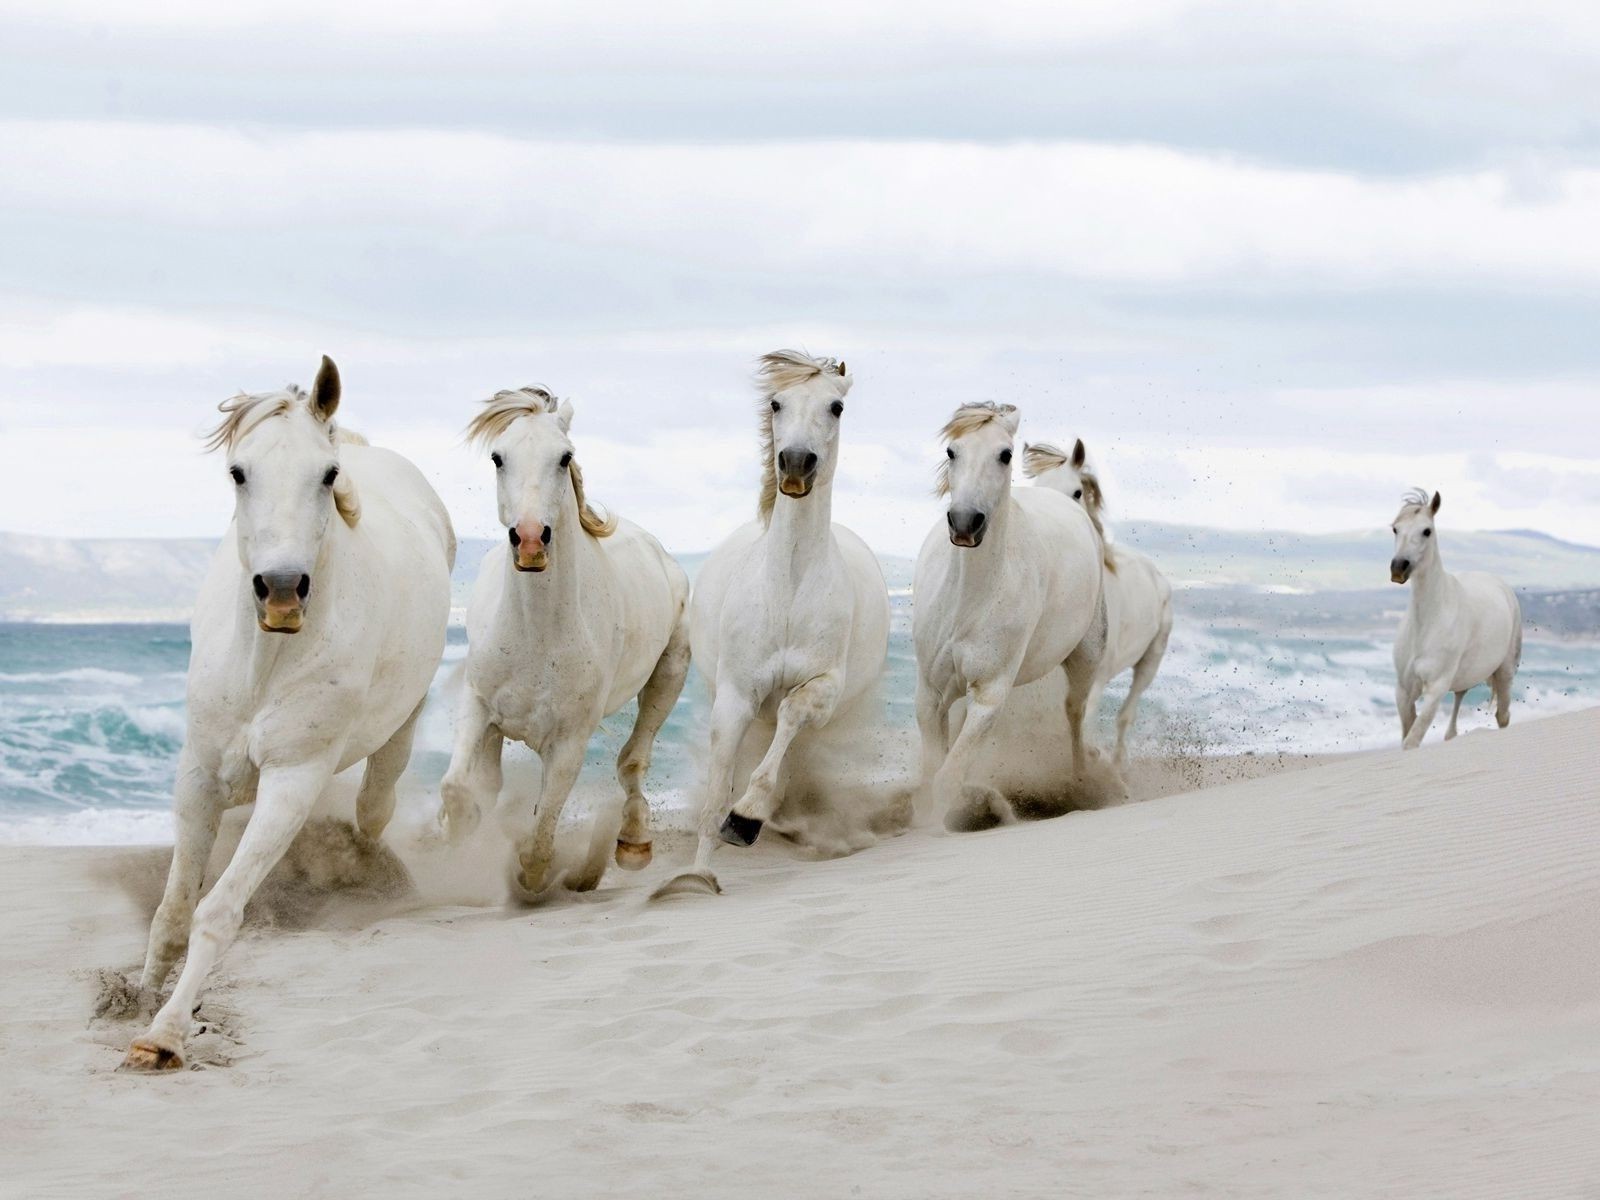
(1459, 630)
(1008, 588)
(1138, 596)
(314, 641)
(791, 613)
(567, 623)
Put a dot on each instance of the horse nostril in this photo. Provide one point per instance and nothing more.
(545, 535)
(260, 586)
(949, 518)
(811, 463)
(515, 540)
(303, 588)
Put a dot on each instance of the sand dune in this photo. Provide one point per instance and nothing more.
(1372, 977)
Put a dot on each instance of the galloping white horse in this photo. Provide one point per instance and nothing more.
(1459, 631)
(314, 641)
(791, 613)
(567, 623)
(1138, 596)
(1007, 589)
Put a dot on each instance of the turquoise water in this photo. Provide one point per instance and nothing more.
(91, 716)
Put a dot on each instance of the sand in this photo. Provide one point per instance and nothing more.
(1373, 977)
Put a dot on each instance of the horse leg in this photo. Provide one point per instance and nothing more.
(284, 799)
(1080, 670)
(375, 801)
(1144, 673)
(1455, 711)
(561, 761)
(984, 702)
(197, 808)
(473, 780)
(731, 714)
(812, 703)
(933, 724)
(1405, 703)
(660, 693)
(1431, 697)
(1500, 681)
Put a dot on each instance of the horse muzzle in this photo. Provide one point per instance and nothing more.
(1400, 570)
(967, 528)
(281, 600)
(797, 472)
(530, 546)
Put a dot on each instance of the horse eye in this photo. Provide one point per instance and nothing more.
(333, 473)
(1427, 533)
(1005, 457)
(950, 452)
(566, 460)
(1078, 495)
(838, 408)
(238, 475)
(776, 406)
(497, 460)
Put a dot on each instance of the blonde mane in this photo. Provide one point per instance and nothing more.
(779, 371)
(503, 409)
(242, 413)
(969, 418)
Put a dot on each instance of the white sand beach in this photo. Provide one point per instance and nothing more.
(1373, 977)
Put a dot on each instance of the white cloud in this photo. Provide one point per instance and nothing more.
(1131, 214)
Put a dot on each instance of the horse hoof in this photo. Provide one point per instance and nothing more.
(740, 831)
(690, 883)
(633, 856)
(146, 1056)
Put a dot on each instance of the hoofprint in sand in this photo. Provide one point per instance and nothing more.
(1372, 977)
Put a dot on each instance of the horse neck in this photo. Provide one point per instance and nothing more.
(800, 533)
(1429, 582)
(978, 568)
(552, 598)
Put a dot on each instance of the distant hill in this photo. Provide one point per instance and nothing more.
(132, 579)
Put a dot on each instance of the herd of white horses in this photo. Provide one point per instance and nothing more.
(347, 548)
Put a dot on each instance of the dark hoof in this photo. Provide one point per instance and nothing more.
(741, 831)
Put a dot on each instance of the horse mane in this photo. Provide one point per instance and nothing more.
(779, 371)
(1039, 457)
(243, 412)
(1416, 498)
(503, 409)
(967, 419)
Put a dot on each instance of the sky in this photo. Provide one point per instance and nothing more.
(1275, 261)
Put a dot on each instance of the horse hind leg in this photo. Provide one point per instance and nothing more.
(1455, 711)
(656, 701)
(375, 801)
(1144, 673)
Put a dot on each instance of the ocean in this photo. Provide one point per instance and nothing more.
(92, 715)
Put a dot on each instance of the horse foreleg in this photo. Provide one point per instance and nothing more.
(1080, 670)
(473, 780)
(810, 704)
(375, 801)
(284, 799)
(731, 714)
(1405, 703)
(660, 693)
(933, 725)
(561, 763)
(984, 702)
(1455, 711)
(1429, 708)
(197, 809)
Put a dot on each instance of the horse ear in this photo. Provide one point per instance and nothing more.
(841, 366)
(325, 391)
(1433, 508)
(1010, 418)
(564, 417)
(1079, 454)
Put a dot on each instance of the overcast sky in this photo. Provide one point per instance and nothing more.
(1275, 262)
